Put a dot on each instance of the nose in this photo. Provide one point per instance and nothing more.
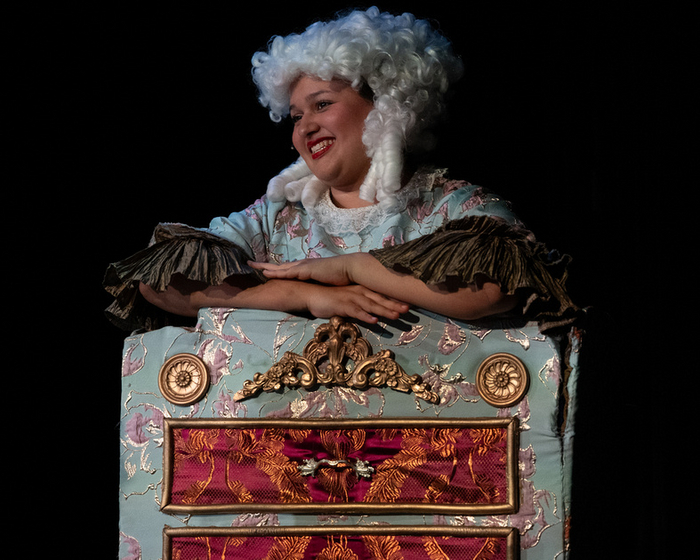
(306, 126)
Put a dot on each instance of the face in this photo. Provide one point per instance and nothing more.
(328, 122)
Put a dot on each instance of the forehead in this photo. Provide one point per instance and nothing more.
(307, 88)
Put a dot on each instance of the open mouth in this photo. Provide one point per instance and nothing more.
(320, 147)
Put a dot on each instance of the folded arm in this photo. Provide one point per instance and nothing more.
(464, 302)
(185, 297)
(355, 285)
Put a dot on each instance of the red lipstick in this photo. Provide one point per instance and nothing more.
(320, 146)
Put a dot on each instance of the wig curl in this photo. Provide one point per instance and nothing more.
(404, 61)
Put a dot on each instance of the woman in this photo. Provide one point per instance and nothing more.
(353, 228)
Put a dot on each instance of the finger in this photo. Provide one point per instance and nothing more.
(266, 265)
(376, 305)
(361, 315)
(272, 270)
(389, 303)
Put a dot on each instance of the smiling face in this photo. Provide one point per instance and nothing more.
(328, 122)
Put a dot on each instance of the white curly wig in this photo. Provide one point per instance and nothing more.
(407, 65)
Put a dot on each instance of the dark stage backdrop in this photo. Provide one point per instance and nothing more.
(155, 118)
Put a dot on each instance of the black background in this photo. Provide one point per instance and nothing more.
(131, 116)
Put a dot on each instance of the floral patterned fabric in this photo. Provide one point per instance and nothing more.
(468, 230)
(237, 344)
(283, 232)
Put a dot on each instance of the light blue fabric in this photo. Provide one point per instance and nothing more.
(282, 232)
(236, 344)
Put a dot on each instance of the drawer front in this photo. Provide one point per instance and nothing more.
(457, 466)
(342, 543)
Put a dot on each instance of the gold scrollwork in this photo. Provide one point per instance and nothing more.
(183, 379)
(325, 360)
(502, 380)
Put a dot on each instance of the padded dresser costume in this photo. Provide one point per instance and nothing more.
(260, 434)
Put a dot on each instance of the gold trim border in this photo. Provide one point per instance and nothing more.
(511, 504)
(509, 533)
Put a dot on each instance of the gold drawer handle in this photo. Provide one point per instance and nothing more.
(361, 468)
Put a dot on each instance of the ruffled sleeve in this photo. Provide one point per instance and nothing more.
(464, 248)
(174, 249)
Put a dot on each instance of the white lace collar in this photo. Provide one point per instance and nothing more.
(337, 221)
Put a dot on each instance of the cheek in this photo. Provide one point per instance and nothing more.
(297, 141)
(355, 120)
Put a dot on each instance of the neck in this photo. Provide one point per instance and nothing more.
(348, 199)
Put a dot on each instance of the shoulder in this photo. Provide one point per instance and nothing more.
(260, 215)
(458, 198)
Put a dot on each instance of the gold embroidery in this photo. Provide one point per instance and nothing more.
(299, 435)
(433, 550)
(488, 551)
(438, 486)
(338, 550)
(340, 444)
(234, 542)
(444, 441)
(268, 457)
(241, 495)
(387, 434)
(485, 440)
(393, 472)
(198, 446)
(288, 548)
(383, 546)
(206, 542)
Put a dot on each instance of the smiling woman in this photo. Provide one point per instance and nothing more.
(354, 227)
(329, 121)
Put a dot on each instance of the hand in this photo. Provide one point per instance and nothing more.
(334, 271)
(355, 302)
(177, 298)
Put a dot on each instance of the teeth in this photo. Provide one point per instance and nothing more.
(321, 145)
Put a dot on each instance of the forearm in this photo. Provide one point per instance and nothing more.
(186, 298)
(465, 302)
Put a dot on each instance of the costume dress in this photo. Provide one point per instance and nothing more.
(469, 458)
(473, 232)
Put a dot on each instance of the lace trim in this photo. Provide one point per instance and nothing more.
(337, 221)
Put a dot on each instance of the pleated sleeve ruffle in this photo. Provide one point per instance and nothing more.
(174, 249)
(464, 248)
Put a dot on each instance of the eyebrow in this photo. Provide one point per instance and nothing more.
(312, 96)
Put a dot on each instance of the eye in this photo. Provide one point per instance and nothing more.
(322, 105)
